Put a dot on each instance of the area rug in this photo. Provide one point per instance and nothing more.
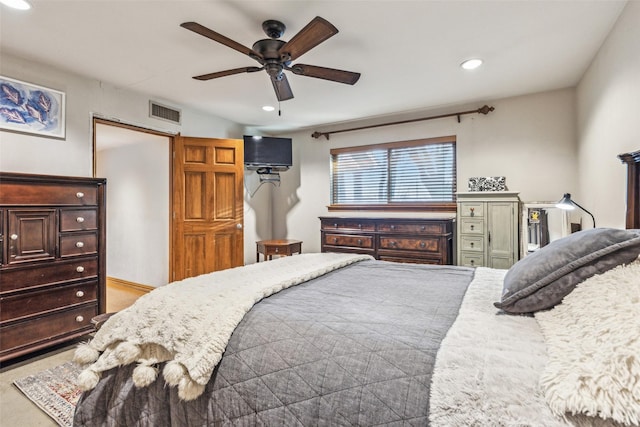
(54, 391)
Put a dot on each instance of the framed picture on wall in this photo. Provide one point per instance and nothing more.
(28, 108)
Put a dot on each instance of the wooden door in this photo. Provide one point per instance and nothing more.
(207, 205)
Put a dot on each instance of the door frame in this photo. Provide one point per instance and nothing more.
(95, 120)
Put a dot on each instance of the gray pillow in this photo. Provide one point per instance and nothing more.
(540, 280)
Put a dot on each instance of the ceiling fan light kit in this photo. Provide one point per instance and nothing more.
(275, 56)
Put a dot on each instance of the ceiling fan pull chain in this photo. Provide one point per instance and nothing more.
(279, 111)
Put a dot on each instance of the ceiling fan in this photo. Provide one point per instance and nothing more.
(275, 55)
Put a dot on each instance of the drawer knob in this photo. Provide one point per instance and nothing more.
(472, 211)
(360, 226)
(79, 319)
(360, 241)
(14, 237)
(335, 225)
(392, 243)
(277, 250)
(472, 226)
(471, 244)
(80, 294)
(80, 269)
(393, 227)
(423, 244)
(335, 240)
(80, 220)
(472, 262)
(423, 228)
(79, 194)
(79, 244)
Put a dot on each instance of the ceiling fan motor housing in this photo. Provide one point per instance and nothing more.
(269, 49)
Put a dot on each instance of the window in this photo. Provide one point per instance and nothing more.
(409, 175)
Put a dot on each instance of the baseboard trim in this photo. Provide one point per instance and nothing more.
(120, 283)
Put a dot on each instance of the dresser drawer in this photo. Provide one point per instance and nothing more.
(22, 193)
(348, 240)
(46, 330)
(346, 224)
(472, 243)
(22, 305)
(78, 219)
(471, 209)
(424, 245)
(409, 228)
(470, 259)
(471, 226)
(46, 274)
(78, 244)
(410, 260)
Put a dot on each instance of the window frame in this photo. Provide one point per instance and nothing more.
(397, 206)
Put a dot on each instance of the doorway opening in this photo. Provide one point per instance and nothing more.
(137, 164)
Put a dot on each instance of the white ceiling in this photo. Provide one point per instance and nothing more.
(407, 51)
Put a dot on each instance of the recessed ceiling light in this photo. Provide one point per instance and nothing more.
(268, 108)
(471, 64)
(16, 4)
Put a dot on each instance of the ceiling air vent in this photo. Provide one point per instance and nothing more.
(163, 112)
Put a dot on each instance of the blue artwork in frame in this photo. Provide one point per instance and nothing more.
(29, 108)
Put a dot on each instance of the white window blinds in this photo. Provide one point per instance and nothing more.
(414, 172)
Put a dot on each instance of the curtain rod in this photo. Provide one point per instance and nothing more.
(485, 109)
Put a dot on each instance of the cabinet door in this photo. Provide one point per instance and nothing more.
(502, 235)
(31, 234)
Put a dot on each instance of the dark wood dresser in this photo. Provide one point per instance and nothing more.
(52, 260)
(425, 241)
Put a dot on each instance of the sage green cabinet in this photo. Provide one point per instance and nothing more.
(488, 229)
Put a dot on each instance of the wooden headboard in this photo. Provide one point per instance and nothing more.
(633, 188)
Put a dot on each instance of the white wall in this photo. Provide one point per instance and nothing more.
(529, 139)
(137, 210)
(84, 96)
(73, 155)
(608, 106)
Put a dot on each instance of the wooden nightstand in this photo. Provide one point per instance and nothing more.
(282, 247)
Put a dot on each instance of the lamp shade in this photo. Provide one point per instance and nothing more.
(566, 203)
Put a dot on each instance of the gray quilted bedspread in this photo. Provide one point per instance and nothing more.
(356, 346)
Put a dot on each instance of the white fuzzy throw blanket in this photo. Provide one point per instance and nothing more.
(188, 323)
(593, 341)
(488, 368)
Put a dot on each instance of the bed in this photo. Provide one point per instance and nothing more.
(342, 339)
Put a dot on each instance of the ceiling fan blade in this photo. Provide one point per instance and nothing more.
(282, 88)
(227, 73)
(206, 32)
(315, 32)
(340, 76)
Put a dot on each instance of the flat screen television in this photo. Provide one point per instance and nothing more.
(267, 152)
